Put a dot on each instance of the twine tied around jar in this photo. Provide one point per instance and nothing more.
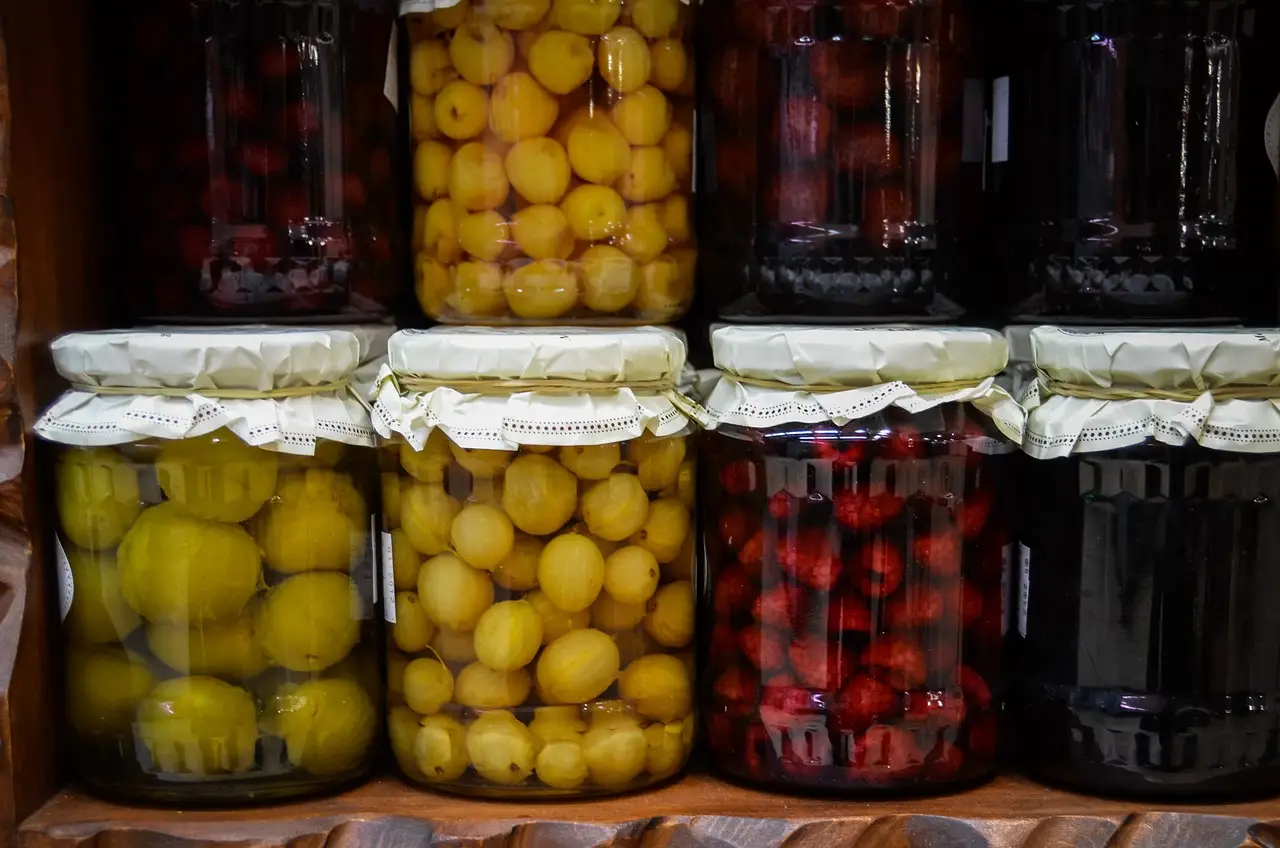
(225, 394)
(942, 388)
(1057, 387)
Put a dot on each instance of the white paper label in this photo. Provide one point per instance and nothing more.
(1000, 120)
(388, 580)
(66, 583)
(391, 83)
(1024, 588)
(1006, 578)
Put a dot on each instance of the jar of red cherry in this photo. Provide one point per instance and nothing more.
(858, 546)
(843, 150)
(255, 150)
(1146, 635)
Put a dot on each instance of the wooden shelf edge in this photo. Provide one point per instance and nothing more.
(1008, 812)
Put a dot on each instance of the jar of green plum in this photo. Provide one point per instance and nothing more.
(538, 493)
(216, 563)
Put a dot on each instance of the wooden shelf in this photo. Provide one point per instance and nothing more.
(699, 810)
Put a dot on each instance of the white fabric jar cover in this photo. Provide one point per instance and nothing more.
(282, 389)
(483, 386)
(1187, 385)
(842, 374)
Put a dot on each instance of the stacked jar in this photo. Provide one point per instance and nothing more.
(553, 159)
(214, 501)
(857, 495)
(538, 536)
(266, 190)
(1146, 633)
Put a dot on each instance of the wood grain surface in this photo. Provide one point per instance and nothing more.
(699, 810)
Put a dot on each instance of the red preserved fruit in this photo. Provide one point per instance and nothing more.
(944, 761)
(735, 688)
(881, 569)
(937, 707)
(720, 732)
(239, 103)
(789, 700)
(724, 641)
(864, 701)
(971, 605)
(921, 606)
(780, 678)
(859, 511)
(976, 690)
(735, 527)
(940, 552)
(783, 506)
(974, 512)
(762, 647)
(840, 457)
(733, 593)
(847, 74)
(735, 166)
(733, 82)
(803, 129)
(752, 553)
(810, 557)
(884, 753)
(798, 197)
(849, 612)
(820, 663)
(867, 150)
(775, 607)
(896, 661)
(755, 744)
(984, 736)
(874, 18)
(905, 442)
(739, 476)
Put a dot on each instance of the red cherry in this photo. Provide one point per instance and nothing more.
(840, 458)
(905, 443)
(976, 690)
(761, 647)
(808, 555)
(859, 511)
(798, 197)
(752, 553)
(819, 663)
(974, 511)
(732, 80)
(739, 477)
(775, 607)
(937, 707)
(863, 701)
(803, 127)
(849, 612)
(720, 732)
(783, 506)
(792, 701)
(724, 641)
(882, 569)
(733, 592)
(939, 552)
(735, 166)
(921, 606)
(868, 150)
(735, 688)
(971, 605)
(897, 661)
(735, 527)
(847, 73)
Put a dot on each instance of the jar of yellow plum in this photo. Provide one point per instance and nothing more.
(216, 562)
(553, 159)
(538, 550)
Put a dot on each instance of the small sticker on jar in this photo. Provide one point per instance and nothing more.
(374, 586)
(66, 583)
(1006, 578)
(391, 83)
(364, 572)
(388, 580)
(1024, 588)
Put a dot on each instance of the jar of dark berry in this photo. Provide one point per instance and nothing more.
(254, 160)
(1147, 639)
(858, 543)
(842, 149)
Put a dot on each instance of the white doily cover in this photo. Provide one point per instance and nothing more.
(506, 421)
(1162, 359)
(879, 364)
(239, 358)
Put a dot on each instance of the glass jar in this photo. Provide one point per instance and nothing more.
(217, 598)
(540, 596)
(837, 165)
(553, 160)
(1146, 640)
(857, 577)
(1117, 168)
(266, 190)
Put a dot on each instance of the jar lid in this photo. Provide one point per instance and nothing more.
(501, 388)
(782, 374)
(1099, 390)
(279, 388)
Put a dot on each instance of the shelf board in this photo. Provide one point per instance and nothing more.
(699, 810)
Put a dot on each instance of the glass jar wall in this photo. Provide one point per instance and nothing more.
(256, 149)
(217, 614)
(1117, 184)
(543, 606)
(836, 160)
(553, 161)
(1148, 649)
(856, 594)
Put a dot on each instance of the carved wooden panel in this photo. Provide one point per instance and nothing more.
(699, 811)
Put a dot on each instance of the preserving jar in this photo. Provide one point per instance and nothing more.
(838, 164)
(265, 189)
(1117, 164)
(216, 564)
(1146, 632)
(857, 504)
(553, 160)
(538, 494)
